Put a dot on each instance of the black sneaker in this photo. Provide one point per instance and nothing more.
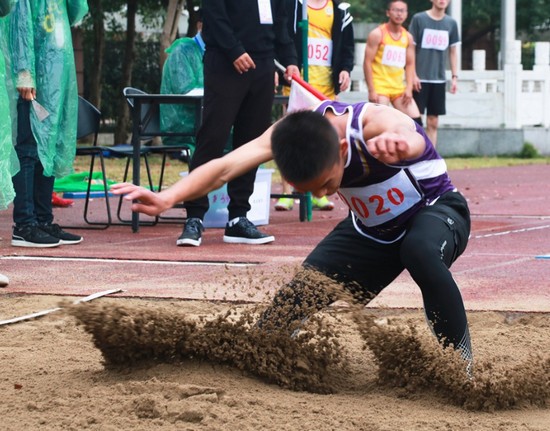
(192, 232)
(32, 236)
(240, 230)
(64, 237)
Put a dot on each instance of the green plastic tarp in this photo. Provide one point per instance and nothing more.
(42, 57)
(78, 182)
(9, 165)
(182, 72)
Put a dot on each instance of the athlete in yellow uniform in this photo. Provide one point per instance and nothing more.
(320, 48)
(330, 56)
(389, 62)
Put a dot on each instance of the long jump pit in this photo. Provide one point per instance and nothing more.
(169, 341)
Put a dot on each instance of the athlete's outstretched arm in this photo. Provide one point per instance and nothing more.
(200, 181)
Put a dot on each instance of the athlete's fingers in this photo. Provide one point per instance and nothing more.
(388, 147)
(145, 209)
(122, 188)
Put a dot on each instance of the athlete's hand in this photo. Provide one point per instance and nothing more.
(407, 97)
(373, 97)
(454, 86)
(244, 63)
(389, 147)
(417, 85)
(344, 80)
(148, 202)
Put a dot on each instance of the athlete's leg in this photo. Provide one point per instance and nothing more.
(408, 107)
(436, 237)
(435, 108)
(384, 100)
(362, 266)
(432, 123)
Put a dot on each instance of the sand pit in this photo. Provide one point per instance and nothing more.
(54, 377)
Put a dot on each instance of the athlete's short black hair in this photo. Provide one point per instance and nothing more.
(304, 144)
(390, 3)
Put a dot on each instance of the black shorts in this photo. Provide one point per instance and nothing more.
(431, 98)
(352, 259)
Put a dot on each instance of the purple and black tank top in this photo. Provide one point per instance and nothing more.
(382, 198)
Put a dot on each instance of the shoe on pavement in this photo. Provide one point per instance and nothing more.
(192, 232)
(4, 281)
(32, 236)
(56, 231)
(240, 230)
(284, 204)
(322, 204)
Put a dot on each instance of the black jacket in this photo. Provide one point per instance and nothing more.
(233, 27)
(343, 43)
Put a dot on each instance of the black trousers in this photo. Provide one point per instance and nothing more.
(435, 237)
(233, 102)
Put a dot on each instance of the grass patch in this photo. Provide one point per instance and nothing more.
(492, 162)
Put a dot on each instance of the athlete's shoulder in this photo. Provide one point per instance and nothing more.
(419, 15)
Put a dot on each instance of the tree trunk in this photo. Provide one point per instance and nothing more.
(96, 70)
(123, 117)
(170, 29)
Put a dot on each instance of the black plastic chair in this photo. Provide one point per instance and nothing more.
(126, 151)
(151, 128)
(150, 116)
(89, 118)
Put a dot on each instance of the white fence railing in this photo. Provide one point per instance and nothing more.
(510, 98)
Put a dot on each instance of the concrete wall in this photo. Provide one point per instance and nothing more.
(480, 142)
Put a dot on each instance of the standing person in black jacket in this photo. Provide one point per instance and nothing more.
(242, 39)
(331, 49)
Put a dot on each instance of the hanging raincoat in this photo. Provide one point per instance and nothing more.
(42, 57)
(9, 164)
(182, 73)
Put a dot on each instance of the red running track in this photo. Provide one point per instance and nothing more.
(506, 265)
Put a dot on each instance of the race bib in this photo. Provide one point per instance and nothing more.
(395, 56)
(319, 51)
(264, 7)
(378, 203)
(435, 39)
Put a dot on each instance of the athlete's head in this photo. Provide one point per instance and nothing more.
(397, 11)
(440, 5)
(308, 152)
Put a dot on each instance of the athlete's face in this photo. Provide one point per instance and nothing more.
(397, 13)
(328, 182)
(441, 4)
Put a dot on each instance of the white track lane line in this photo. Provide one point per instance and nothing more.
(126, 261)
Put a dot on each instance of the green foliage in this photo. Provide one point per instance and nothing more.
(528, 151)
(146, 73)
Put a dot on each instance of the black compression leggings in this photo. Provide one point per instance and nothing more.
(435, 238)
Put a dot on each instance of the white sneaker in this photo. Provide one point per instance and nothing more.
(4, 281)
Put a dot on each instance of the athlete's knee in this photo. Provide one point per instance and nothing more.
(432, 121)
(416, 251)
